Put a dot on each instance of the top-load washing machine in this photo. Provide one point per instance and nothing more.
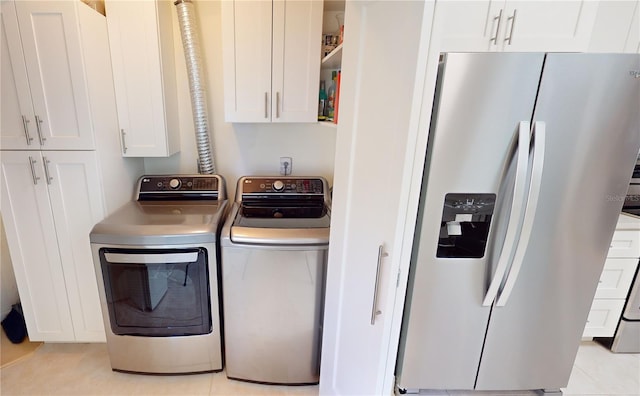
(274, 254)
(157, 266)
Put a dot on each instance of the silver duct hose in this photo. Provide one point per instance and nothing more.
(191, 46)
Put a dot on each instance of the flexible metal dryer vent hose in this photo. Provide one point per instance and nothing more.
(191, 47)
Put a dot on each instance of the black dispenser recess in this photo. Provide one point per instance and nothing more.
(464, 228)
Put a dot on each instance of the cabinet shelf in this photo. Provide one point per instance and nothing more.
(328, 124)
(333, 60)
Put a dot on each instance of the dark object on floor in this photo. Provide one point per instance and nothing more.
(14, 325)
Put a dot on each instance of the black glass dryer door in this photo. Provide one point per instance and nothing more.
(157, 292)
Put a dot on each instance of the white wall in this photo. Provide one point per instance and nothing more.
(8, 287)
(240, 149)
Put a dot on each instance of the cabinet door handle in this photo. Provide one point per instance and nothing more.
(25, 125)
(277, 104)
(124, 142)
(33, 170)
(494, 39)
(374, 308)
(46, 163)
(38, 128)
(266, 105)
(513, 23)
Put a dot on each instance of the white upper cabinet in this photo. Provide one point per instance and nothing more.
(553, 26)
(45, 102)
(616, 27)
(271, 58)
(632, 44)
(142, 55)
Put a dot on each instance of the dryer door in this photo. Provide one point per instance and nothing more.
(157, 292)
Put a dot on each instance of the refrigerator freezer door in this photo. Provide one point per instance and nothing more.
(482, 99)
(589, 103)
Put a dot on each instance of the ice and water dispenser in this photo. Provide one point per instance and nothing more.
(464, 228)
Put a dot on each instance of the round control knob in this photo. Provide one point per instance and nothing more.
(174, 183)
(278, 185)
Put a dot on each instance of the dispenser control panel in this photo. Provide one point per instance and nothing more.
(464, 228)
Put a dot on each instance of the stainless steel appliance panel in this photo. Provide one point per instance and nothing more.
(165, 355)
(273, 300)
(627, 339)
(589, 103)
(483, 98)
(632, 308)
(274, 255)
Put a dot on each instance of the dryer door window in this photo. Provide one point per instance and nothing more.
(157, 292)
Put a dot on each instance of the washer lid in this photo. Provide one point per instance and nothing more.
(161, 223)
(281, 231)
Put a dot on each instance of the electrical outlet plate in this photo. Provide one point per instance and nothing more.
(285, 166)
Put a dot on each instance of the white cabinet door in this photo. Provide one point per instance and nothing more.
(295, 72)
(246, 41)
(552, 26)
(603, 318)
(141, 42)
(271, 57)
(53, 55)
(470, 25)
(616, 278)
(633, 38)
(17, 130)
(526, 26)
(612, 26)
(77, 205)
(31, 235)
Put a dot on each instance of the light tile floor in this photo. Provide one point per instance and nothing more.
(83, 369)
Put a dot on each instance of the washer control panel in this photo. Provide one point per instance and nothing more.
(263, 185)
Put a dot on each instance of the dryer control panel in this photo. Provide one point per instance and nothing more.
(180, 187)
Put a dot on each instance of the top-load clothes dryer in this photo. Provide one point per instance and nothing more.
(157, 266)
(274, 254)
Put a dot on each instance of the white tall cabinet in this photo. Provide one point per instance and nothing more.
(62, 171)
(370, 196)
(144, 73)
(271, 57)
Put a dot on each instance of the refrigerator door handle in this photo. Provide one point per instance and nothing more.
(517, 207)
(539, 136)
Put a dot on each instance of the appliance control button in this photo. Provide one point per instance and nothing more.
(174, 183)
(278, 185)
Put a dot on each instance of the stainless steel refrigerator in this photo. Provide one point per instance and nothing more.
(528, 161)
